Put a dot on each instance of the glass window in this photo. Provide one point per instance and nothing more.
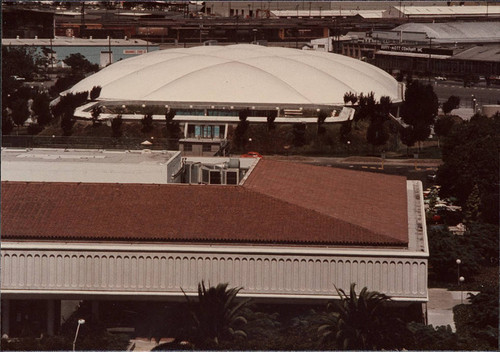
(232, 178)
(204, 175)
(215, 177)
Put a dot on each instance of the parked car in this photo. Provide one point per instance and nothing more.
(17, 78)
(440, 78)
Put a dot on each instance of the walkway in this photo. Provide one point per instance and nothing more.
(441, 303)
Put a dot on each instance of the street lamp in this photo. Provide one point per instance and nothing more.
(80, 322)
(460, 280)
(458, 261)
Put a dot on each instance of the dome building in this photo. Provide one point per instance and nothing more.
(209, 85)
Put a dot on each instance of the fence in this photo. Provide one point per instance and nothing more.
(76, 142)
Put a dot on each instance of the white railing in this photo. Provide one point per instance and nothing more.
(162, 270)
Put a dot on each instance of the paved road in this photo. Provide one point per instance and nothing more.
(484, 95)
(441, 303)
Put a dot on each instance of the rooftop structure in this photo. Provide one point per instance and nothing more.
(450, 32)
(327, 13)
(84, 165)
(488, 9)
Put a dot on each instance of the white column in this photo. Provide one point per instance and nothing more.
(5, 316)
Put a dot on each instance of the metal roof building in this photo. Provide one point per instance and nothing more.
(454, 32)
(442, 11)
(241, 74)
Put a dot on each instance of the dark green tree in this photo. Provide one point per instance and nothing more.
(7, 123)
(377, 133)
(428, 338)
(345, 131)
(116, 126)
(443, 125)
(419, 109)
(366, 107)
(67, 122)
(147, 123)
(271, 116)
(484, 308)
(65, 82)
(452, 103)
(299, 134)
(322, 115)
(361, 322)
(41, 109)
(20, 112)
(79, 64)
(173, 132)
(445, 248)
(484, 238)
(240, 132)
(216, 315)
(350, 97)
(95, 112)
(471, 156)
(94, 93)
(18, 61)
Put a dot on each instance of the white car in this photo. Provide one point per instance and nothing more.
(440, 78)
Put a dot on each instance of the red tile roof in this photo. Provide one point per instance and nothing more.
(376, 202)
(261, 211)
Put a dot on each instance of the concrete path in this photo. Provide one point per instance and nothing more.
(441, 303)
(144, 344)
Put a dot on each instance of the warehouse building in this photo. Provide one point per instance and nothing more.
(97, 51)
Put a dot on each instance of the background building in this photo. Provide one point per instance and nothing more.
(97, 51)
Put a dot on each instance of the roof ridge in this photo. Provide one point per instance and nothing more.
(260, 164)
(356, 226)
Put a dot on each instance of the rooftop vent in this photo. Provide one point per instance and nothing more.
(234, 163)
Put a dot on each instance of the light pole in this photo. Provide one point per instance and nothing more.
(458, 261)
(80, 322)
(460, 280)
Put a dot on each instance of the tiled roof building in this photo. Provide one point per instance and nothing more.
(285, 231)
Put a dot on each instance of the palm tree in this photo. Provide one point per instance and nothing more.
(357, 322)
(216, 314)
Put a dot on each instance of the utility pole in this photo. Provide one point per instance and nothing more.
(429, 60)
(51, 56)
(109, 49)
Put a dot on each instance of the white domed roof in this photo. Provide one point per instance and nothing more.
(240, 74)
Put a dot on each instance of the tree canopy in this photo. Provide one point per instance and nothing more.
(79, 63)
(419, 110)
(471, 157)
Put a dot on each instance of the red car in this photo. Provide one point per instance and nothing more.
(252, 155)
